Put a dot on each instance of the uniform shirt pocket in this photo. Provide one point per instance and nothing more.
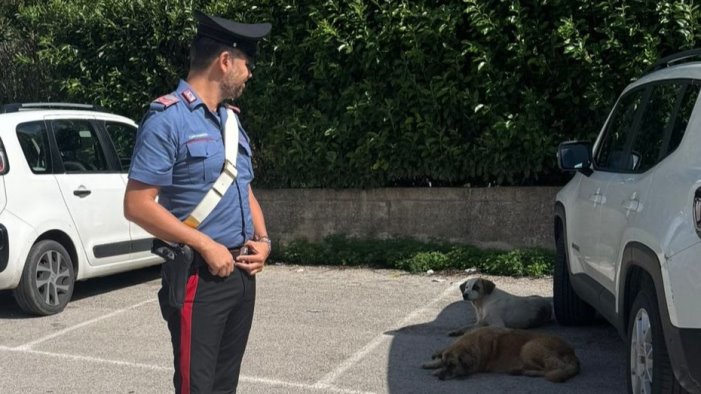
(204, 161)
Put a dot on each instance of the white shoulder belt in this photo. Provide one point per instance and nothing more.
(226, 178)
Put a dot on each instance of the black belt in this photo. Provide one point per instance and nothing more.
(236, 252)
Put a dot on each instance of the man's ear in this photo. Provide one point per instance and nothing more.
(488, 286)
(223, 61)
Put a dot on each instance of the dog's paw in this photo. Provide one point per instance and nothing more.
(443, 374)
(459, 332)
(433, 364)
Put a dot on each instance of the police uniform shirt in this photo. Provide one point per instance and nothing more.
(180, 148)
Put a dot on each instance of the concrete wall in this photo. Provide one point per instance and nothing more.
(499, 217)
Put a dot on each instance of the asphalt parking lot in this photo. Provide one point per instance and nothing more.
(316, 330)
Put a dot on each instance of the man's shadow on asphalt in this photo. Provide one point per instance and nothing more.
(598, 346)
(85, 289)
(415, 344)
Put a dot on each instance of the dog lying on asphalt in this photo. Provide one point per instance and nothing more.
(498, 308)
(505, 350)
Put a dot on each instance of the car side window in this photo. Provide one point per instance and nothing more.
(686, 106)
(656, 120)
(79, 146)
(123, 137)
(612, 153)
(33, 138)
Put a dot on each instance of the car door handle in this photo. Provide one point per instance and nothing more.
(81, 192)
(631, 205)
(597, 198)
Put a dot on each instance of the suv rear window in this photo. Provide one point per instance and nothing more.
(33, 138)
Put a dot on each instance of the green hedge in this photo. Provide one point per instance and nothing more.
(367, 93)
(23, 78)
(415, 256)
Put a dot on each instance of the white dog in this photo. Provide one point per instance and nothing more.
(498, 308)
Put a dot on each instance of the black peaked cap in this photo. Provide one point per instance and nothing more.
(243, 36)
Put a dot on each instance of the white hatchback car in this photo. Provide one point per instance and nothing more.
(628, 227)
(63, 172)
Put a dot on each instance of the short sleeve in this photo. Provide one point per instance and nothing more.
(155, 150)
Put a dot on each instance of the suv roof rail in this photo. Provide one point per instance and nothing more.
(676, 58)
(17, 107)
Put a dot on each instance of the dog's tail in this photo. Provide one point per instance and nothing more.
(563, 368)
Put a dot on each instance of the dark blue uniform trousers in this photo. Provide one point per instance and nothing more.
(210, 332)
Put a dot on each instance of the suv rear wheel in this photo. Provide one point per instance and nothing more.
(569, 308)
(649, 368)
(47, 281)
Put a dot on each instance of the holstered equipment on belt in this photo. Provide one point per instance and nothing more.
(179, 257)
(174, 271)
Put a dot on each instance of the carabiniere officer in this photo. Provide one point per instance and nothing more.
(178, 155)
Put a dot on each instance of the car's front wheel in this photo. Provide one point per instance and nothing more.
(649, 368)
(47, 281)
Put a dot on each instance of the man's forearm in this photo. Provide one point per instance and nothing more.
(155, 219)
(259, 228)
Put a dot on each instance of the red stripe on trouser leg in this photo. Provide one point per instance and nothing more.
(186, 333)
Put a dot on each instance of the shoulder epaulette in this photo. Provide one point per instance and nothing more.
(164, 102)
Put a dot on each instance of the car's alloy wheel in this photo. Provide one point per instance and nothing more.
(641, 354)
(52, 278)
(47, 281)
(649, 369)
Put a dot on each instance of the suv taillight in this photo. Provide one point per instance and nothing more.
(4, 166)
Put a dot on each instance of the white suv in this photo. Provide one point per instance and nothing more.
(63, 172)
(628, 227)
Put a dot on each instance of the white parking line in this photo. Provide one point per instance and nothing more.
(247, 379)
(325, 384)
(76, 357)
(327, 381)
(29, 345)
(278, 383)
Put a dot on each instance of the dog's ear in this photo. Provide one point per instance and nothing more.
(488, 286)
(462, 287)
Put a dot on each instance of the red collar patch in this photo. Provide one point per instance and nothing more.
(233, 108)
(168, 100)
(189, 96)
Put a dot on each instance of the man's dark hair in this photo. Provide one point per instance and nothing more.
(203, 51)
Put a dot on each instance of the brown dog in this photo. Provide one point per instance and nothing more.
(505, 350)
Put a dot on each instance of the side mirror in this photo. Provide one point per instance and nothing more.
(575, 156)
